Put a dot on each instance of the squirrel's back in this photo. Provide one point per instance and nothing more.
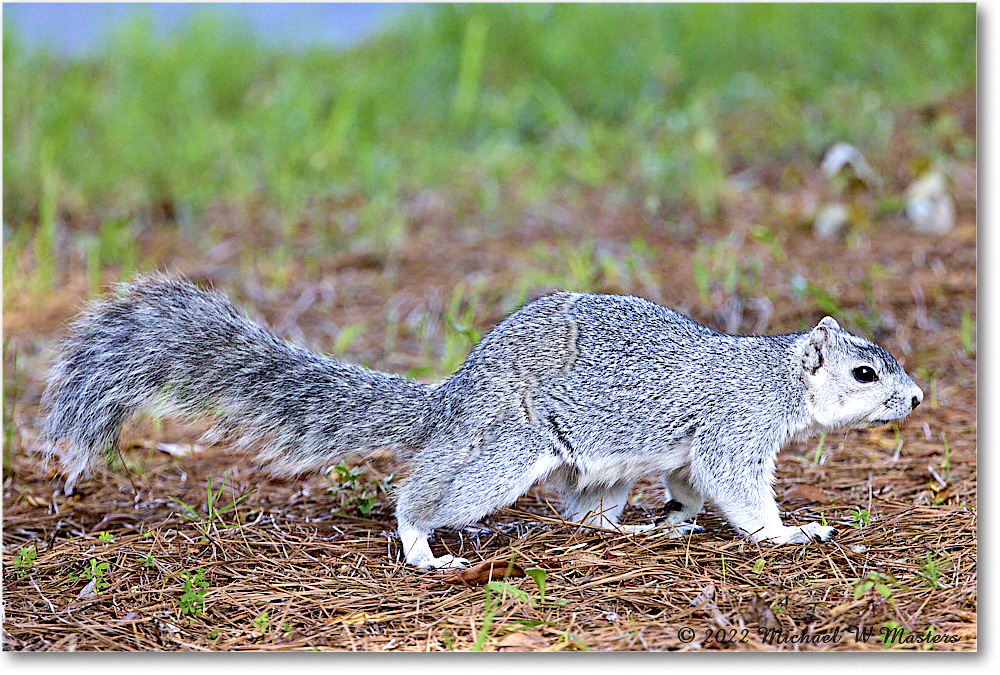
(644, 376)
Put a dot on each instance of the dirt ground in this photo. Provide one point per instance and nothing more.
(296, 564)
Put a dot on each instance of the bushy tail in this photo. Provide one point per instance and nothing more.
(162, 341)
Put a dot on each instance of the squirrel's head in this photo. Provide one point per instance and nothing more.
(853, 383)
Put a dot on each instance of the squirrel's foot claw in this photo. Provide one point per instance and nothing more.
(444, 562)
(634, 529)
(826, 533)
(680, 530)
(665, 529)
(802, 534)
(685, 529)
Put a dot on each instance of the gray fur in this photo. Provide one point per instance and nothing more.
(590, 391)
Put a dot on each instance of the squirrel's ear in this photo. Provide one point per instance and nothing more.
(828, 322)
(819, 341)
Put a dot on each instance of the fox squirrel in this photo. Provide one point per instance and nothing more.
(590, 391)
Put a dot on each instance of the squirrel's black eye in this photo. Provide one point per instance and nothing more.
(864, 374)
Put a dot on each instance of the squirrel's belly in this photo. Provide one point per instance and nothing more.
(609, 466)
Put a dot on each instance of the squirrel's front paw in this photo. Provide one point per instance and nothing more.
(800, 534)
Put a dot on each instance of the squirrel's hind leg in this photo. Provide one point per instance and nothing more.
(418, 550)
(684, 502)
(600, 506)
(450, 488)
(603, 507)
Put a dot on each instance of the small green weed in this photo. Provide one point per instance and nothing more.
(818, 452)
(860, 517)
(774, 243)
(490, 607)
(346, 337)
(106, 537)
(460, 337)
(868, 321)
(356, 494)
(494, 594)
(891, 632)
(928, 638)
(497, 591)
(968, 333)
(930, 376)
(881, 583)
(195, 588)
(113, 244)
(538, 575)
(345, 477)
(824, 300)
(25, 559)
(262, 622)
(571, 639)
(94, 572)
(931, 571)
(723, 269)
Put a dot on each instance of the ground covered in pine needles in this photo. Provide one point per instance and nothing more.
(283, 569)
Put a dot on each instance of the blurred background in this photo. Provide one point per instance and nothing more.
(386, 181)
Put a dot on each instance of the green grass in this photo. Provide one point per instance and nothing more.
(931, 570)
(477, 101)
(215, 511)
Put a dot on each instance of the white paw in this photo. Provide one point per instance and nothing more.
(801, 534)
(634, 529)
(664, 529)
(675, 531)
(684, 529)
(443, 563)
